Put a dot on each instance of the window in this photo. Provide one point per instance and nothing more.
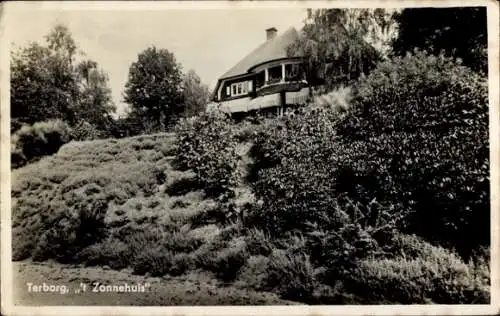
(228, 91)
(240, 88)
(261, 77)
(275, 74)
(292, 72)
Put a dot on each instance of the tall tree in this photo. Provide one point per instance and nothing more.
(95, 104)
(42, 79)
(337, 43)
(196, 94)
(47, 82)
(457, 32)
(154, 88)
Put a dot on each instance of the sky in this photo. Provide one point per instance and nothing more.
(209, 40)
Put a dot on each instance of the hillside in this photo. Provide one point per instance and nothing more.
(361, 206)
(127, 174)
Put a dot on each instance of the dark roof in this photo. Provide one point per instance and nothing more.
(272, 49)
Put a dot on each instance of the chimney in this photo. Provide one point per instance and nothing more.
(271, 33)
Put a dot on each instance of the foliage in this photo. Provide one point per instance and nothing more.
(68, 233)
(206, 145)
(49, 82)
(339, 43)
(32, 142)
(154, 88)
(110, 251)
(338, 99)
(86, 131)
(159, 252)
(291, 275)
(424, 122)
(434, 275)
(458, 32)
(95, 104)
(303, 169)
(227, 262)
(320, 258)
(196, 94)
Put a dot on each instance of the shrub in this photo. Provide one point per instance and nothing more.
(227, 261)
(159, 252)
(258, 243)
(86, 131)
(111, 252)
(179, 239)
(438, 276)
(424, 121)
(292, 276)
(31, 142)
(338, 99)
(157, 262)
(294, 170)
(69, 233)
(79, 175)
(206, 145)
(415, 140)
(254, 273)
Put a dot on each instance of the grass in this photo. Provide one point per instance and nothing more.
(157, 219)
(125, 174)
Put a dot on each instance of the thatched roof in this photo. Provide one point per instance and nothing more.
(271, 49)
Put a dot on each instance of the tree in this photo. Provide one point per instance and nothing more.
(42, 81)
(457, 32)
(95, 104)
(154, 88)
(337, 43)
(196, 94)
(48, 82)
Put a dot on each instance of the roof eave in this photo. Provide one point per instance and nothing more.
(274, 60)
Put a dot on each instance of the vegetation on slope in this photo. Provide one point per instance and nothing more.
(325, 207)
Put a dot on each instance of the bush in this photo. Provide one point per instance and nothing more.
(225, 259)
(338, 99)
(79, 175)
(32, 142)
(304, 172)
(436, 275)
(157, 251)
(155, 261)
(290, 275)
(86, 131)
(415, 140)
(424, 121)
(111, 252)
(69, 233)
(206, 145)
(293, 170)
(254, 273)
(258, 243)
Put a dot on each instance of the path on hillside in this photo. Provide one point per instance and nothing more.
(193, 289)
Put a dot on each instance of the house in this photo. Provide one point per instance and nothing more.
(267, 80)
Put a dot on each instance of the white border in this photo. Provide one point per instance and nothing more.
(494, 84)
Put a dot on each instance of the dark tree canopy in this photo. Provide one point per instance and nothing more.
(48, 82)
(458, 32)
(154, 89)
